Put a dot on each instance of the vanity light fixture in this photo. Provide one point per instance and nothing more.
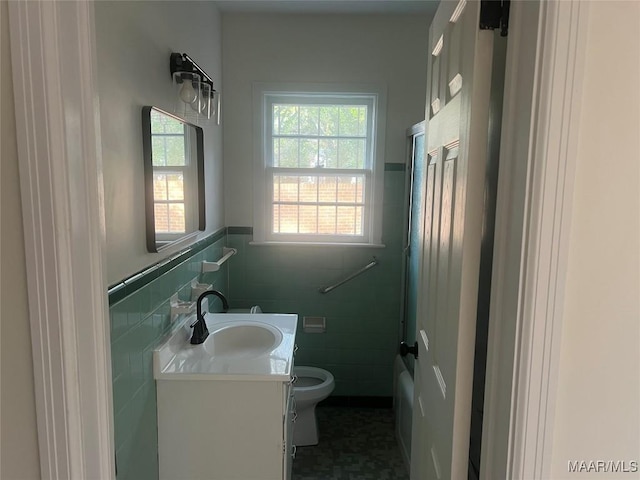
(198, 100)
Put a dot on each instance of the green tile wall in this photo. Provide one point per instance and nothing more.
(363, 315)
(139, 322)
(362, 319)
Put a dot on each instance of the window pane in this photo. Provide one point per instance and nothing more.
(309, 120)
(276, 152)
(346, 221)
(275, 115)
(346, 190)
(288, 219)
(349, 116)
(308, 219)
(161, 216)
(276, 188)
(160, 187)
(308, 153)
(161, 123)
(175, 183)
(157, 121)
(288, 187)
(327, 189)
(360, 190)
(308, 189)
(362, 121)
(288, 153)
(351, 153)
(329, 119)
(328, 153)
(158, 154)
(288, 120)
(173, 126)
(175, 151)
(327, 220)
(359, 219)
(176, 218)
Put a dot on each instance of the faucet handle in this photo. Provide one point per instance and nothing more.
(200, 331)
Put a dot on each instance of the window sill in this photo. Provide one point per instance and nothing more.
(318, 244)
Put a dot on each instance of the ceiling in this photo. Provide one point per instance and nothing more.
(330, 6)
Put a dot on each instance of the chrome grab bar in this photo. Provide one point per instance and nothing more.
(371, 264)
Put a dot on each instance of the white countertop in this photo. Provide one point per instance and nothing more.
(177, 359)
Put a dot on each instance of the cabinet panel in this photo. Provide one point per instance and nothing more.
(208, 429)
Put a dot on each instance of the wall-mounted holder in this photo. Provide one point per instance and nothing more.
(198, 289)
(314, 324)
(181, 307)
(215, 266)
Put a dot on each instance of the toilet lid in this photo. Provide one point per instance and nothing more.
(307, 382)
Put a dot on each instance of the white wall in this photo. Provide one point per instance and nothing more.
(598, 398)
(134, 41)
(316, 49)
(19, 439)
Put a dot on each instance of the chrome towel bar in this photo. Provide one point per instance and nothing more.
(371, 264)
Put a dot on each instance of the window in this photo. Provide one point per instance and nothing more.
(173, 154)
(168, 145)
(171, 145)
(317, 178)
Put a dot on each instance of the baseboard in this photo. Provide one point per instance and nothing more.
(361, 402)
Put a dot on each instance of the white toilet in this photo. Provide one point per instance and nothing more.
(312, 386)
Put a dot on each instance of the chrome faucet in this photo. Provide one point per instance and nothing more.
(200, 331)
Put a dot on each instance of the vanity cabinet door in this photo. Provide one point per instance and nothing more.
(209, 429)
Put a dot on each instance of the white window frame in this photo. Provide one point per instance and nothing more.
(374, 97)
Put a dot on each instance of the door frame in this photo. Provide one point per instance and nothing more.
(543, 87)
(53, 57)
(53, 45)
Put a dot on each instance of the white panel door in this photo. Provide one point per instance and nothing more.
(458, 87)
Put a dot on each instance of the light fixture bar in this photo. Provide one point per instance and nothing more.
(183, 63)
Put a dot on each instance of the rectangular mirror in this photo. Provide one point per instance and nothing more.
(174, 178)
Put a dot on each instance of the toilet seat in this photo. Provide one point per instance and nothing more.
(312, 383)
(303, 382)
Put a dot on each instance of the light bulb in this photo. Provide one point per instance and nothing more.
(204, 105)
(201, 105)
(187, 92)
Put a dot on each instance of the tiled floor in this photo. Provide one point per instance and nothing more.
(355, 444)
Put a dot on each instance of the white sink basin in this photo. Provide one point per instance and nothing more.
(243, 339)
(240, 346)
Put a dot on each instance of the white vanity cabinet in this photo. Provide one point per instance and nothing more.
(225, 430)
(226, 410)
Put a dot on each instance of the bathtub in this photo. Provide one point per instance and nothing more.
(403, 405)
